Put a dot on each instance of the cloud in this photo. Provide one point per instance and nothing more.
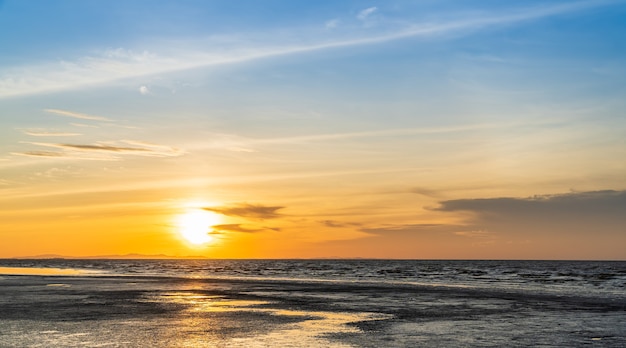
(237, 143)
(105, 148)
(332, 24)
(574, 225)
(236, 228)
(63, 155)
(76, 115)
(426, 192)
(144, 90)
(569, 225)
(593, 216)
(142, 149)
(338, 224)
(414, 229)
(35, 133)
(474, 234)
(83, 125)
(163, 150)
(607, 202)
(248, 210)
(366, 13)
(331, 223)
(39, 154)
(120, 63)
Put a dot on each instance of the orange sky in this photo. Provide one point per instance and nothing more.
(393, 131)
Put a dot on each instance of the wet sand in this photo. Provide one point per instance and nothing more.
(103, 311)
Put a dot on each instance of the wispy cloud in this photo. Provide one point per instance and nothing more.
(64, 155)
(338, 224)
(83, 125)
(237, 143)
(413, 229)
(88, 147)
(248, 210)
(120, 63)
(474, 234)
(332, 24)
(36, 133)
(362, 15)
(76, 115)
(151, 150)
(238, 228)
(426, 192)
(156, 148)
(39, 154)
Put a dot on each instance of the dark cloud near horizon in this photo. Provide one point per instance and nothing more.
(575, 225)
(591, 211)
(592, 203)
(248, 210)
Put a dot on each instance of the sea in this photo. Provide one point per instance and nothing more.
(311, 303)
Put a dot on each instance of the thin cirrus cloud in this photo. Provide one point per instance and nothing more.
(63, 155)
(411, 229)
(101, 151)
(36, 133)
(235, 228)
(39, 154)
(338, 224)
(248, 211)
(243, 144)
(77, 115)
(71, 150)
(364, 14)
(122, 63)
(332, 24)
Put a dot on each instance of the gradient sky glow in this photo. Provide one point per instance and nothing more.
(299, 129)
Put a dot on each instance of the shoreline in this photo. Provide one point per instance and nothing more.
(241, 312)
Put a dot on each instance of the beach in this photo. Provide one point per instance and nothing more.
(163, 311)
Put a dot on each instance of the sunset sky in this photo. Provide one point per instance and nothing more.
(303, 129)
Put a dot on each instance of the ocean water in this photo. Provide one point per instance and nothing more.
(604, 278)
(312, 303)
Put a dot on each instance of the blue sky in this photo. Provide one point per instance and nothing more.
(366, 114)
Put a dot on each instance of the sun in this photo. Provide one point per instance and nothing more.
(194, 226)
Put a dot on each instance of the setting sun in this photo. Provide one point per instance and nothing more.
(400, 129)
(194, 226)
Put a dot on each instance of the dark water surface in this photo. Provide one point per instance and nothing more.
(313, 303)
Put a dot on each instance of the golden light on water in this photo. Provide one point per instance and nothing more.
(194, 226)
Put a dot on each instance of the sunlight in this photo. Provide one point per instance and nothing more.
(194, 226)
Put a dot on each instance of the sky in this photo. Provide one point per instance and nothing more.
(313, 129)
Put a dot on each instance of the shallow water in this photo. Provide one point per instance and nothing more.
(363, 303)
(609, 276)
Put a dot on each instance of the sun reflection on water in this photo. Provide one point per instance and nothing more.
(44, 271)
(214, 320)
